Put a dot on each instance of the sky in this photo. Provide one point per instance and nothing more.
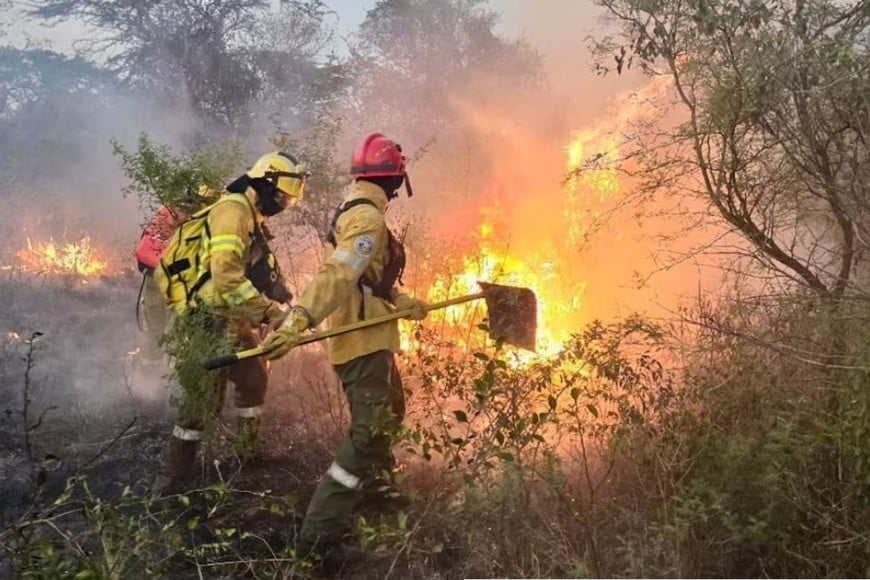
(557, 27)
(17, 31)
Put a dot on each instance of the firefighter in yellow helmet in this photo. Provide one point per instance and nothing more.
(359, 280)
(228, 303)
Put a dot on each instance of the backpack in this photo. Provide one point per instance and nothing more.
(155, 236)
(180, 274)
(395, 264)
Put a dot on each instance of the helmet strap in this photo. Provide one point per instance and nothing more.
(408, 189)
(239, 185)
(389, 183)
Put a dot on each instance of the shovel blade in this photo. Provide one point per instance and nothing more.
(513, 314)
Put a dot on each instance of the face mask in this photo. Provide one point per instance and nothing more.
(391, 186)
(268, 198)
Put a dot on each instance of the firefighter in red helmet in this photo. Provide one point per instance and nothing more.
(359, 280)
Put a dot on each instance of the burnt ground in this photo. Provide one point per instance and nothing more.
(95, 414)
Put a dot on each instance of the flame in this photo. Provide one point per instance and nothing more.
(77, 258)
(592, 164)
(509, 248)
(490, 263)
(13, 337)
(593, 160)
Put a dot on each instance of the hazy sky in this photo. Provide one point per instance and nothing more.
(61, 36)
(557, 27)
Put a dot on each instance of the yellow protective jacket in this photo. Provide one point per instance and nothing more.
(361, 248)
(227, 254)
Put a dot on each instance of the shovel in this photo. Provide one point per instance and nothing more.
(512, 312)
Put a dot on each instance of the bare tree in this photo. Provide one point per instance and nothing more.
(773, 97)
(221, 54)
(412, 56)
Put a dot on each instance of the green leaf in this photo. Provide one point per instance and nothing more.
(276, 509)
(438, 548)
(575, 393)
(593, 410)
(185, 501)
(193, 523)
(460, 416)
(506, 455)
(551, 400)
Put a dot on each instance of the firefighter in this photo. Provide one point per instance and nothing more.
(228, 303)
(152, 316)
(357, 281)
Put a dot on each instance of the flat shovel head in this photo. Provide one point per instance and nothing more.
(512, 314)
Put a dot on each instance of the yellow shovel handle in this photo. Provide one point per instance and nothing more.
(229, 359)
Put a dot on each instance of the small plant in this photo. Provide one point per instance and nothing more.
(159, 177)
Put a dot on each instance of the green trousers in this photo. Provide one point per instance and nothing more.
(377, 406)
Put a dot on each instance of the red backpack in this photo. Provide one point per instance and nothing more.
(156, 236)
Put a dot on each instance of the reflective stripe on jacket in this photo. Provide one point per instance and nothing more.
(361, 247)
(227, 254)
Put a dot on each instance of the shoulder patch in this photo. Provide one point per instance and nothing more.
(364, 246)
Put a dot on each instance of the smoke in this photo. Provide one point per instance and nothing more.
(62, 182)
(490, 157)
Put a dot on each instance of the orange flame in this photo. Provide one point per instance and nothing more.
(77, 258)
(548, 265)
(490, 264)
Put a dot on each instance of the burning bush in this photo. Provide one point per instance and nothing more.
(78, 258)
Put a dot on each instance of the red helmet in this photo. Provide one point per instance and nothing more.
(377, 156)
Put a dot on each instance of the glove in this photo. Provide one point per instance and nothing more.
(417, 306)
(277, 313)
(281, 341)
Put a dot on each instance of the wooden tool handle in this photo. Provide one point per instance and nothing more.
(229, 359)
(314, 337)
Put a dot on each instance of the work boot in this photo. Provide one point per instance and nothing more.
(248, 445)
(176, 474)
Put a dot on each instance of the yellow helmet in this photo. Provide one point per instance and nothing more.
(283, 170)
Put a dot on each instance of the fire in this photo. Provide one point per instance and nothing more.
(592, 164)
(489, 263)
(546, 218)
(511, 248)
(77, 258)
(592, 169)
